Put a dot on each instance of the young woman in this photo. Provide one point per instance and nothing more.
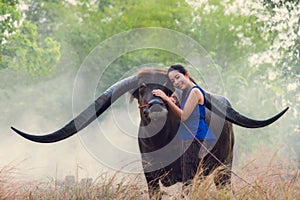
(192, 114)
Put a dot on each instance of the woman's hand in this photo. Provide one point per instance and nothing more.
(169, 101)
(160, 94)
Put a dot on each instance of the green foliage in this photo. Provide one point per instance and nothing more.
(131, 14)
(9, 20)
(20, 50)
(136, 14)
(77, 28)
(270, 4)
(82, 27)
(26, 55)
(226, 35)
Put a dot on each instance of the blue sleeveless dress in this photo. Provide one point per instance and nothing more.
(196, 122)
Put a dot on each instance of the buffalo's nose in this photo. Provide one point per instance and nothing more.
(156, 108)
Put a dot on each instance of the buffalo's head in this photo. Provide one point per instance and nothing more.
(152, 108)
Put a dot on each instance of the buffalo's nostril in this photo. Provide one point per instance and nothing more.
(146, 111)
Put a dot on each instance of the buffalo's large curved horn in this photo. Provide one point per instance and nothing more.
(219, 107)
(88, 115)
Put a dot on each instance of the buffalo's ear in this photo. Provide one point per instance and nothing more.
(134, 94)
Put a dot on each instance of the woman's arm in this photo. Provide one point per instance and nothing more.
(195, 97)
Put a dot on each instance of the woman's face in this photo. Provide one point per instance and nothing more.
(179, 80)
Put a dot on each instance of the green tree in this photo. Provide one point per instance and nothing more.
(26, 55)
(77, 27)
(81, 27)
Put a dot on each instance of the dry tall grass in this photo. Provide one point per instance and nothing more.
(8, 185)
(104, 187)
(271, 182)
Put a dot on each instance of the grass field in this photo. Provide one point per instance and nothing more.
(274, 180)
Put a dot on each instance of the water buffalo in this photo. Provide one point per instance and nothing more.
(158, 127)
